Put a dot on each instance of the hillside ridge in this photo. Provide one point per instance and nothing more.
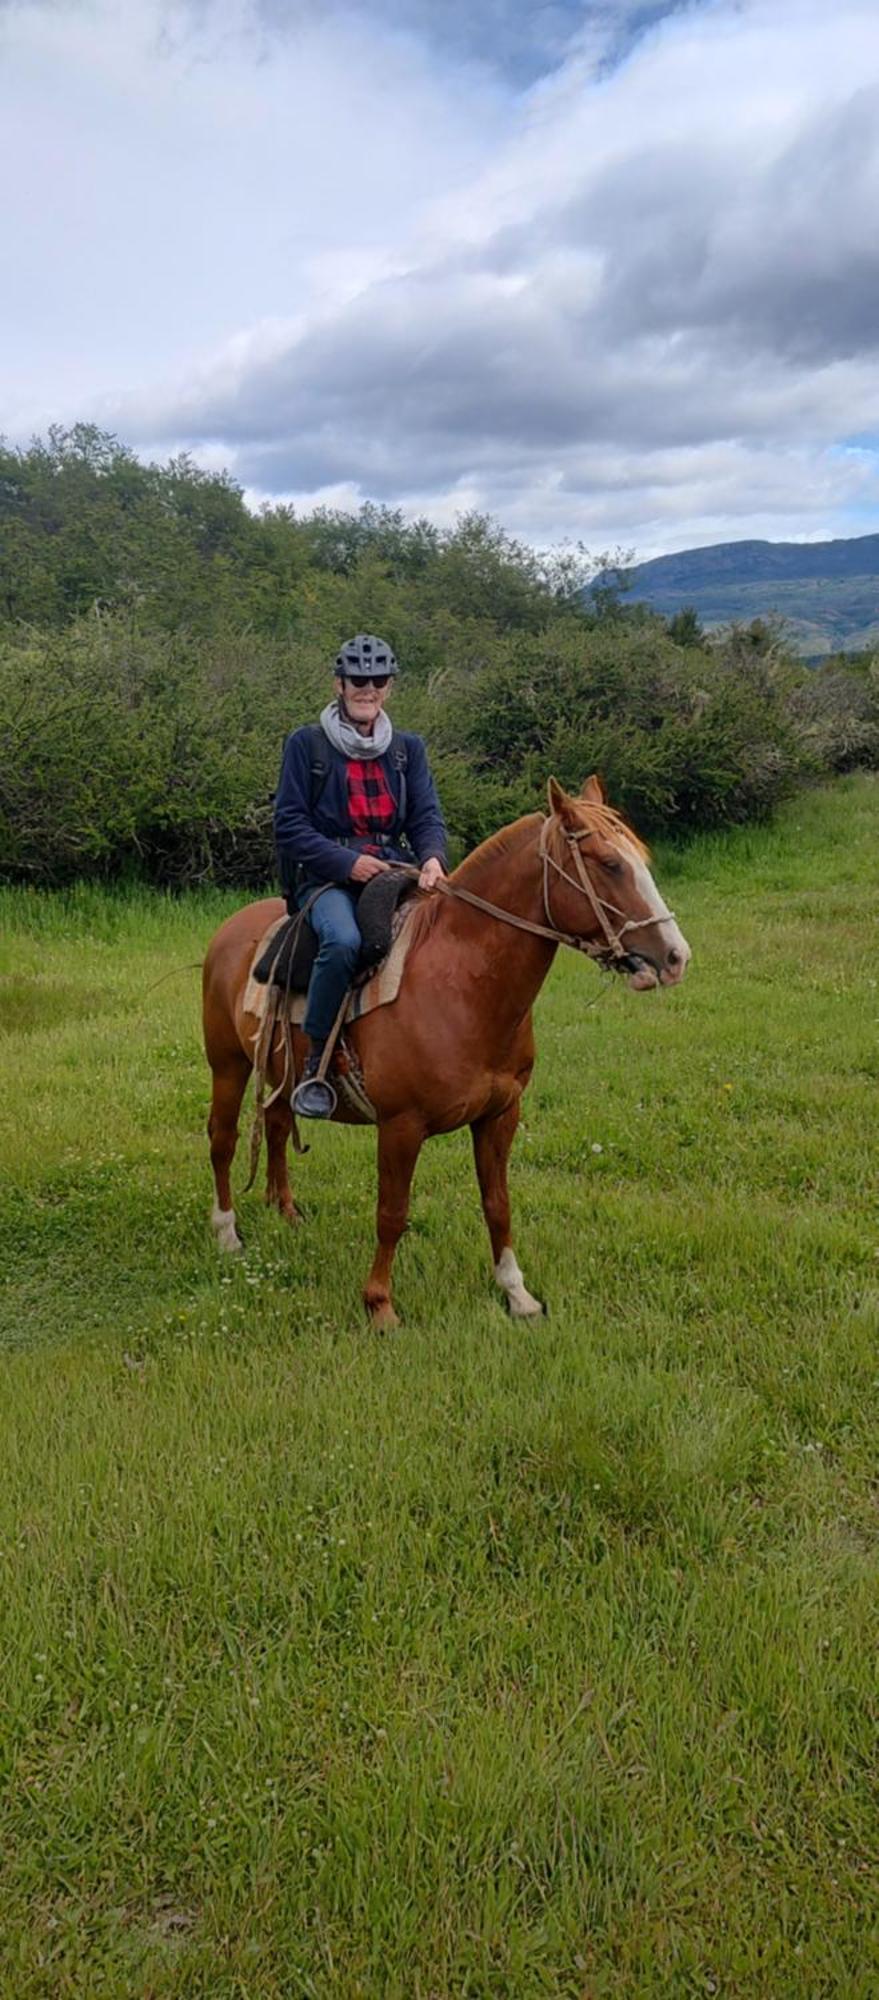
(827, 592)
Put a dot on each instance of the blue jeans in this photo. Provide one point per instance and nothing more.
(335, 926)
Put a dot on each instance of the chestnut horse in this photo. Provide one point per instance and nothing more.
(456, 1047)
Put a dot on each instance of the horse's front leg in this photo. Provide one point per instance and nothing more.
(492, 1139)
(399, 1144)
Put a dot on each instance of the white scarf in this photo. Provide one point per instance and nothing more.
(345, 737)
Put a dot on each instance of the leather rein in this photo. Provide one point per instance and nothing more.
(612, 953)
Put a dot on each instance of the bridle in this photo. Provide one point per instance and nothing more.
(612, 953)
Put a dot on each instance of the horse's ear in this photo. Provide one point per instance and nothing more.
(561, 803)
(594, 791)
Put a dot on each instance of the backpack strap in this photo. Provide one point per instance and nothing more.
(400, 761)
(319, 759)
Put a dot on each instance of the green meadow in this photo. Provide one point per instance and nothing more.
(474, 1660)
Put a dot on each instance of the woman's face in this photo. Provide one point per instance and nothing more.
(361, 700)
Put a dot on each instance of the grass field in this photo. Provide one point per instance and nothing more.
(472, 1660)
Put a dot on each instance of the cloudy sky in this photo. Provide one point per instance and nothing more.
(606, 268)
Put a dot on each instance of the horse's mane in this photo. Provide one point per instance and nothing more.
(598, 817)
(594, 815)
(505, 841)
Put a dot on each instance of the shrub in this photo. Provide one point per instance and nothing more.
(160, 641)
(836, 711)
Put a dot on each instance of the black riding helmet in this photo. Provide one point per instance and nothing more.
(365, 655)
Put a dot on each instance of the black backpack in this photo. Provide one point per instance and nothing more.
(321, 758)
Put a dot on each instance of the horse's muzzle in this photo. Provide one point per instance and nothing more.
(645, 972)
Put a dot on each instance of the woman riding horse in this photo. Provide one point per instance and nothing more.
(456, 1047)
(354, 796)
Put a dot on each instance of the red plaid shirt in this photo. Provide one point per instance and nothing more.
(371, 804)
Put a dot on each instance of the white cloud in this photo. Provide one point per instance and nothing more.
(630, 304)
(172, 179)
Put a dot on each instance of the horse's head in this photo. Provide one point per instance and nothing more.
(599, 887)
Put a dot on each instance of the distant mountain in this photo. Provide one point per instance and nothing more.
(827, 592)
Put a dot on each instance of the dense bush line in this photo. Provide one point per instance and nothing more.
(157, 641)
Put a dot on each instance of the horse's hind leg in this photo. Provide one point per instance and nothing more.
(279, 1194)
(492, 1139)
(230, 1083)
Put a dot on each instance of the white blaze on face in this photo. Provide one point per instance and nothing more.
(658, 936)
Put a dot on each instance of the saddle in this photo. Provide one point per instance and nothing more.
(289, 957)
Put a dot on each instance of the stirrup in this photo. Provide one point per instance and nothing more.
(314, 1097)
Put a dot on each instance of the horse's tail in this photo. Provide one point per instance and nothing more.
(194, 966)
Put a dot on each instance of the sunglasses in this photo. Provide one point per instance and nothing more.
(367, 680)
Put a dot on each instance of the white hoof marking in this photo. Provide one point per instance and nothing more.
(223, 1226)
(511, 1281)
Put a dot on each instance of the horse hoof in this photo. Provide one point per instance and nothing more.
(288, 1213)
(225, 1233)
(535, 1309)
(383, 1318)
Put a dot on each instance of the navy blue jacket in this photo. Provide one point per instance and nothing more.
(313, 840)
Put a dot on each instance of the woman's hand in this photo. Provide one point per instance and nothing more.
(432, 873)
(366, 866)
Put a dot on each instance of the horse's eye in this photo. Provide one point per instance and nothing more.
(614, 867)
